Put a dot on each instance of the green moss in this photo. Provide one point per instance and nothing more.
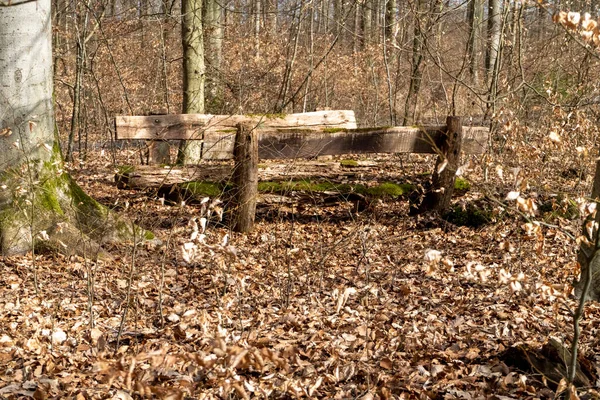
(334, 130)
(47, 197)
(378, 128)
(262, 166)
(125, 169)
(471, 216)
(349, 163)
(306, 186)
(389, 189)
(82, 201)
(268, 116)
(270, 187)
(201, 188)
(461, 184)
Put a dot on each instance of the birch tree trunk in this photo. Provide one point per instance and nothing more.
(38, 198)
(494, 33)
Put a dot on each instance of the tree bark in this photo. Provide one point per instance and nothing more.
(589, 250)
(494, 31)
(38, 197)
(257, 18)
(390, 20)
(367, 30)
(439, 196)
(245, 178)
(474, 19)
(419, 38)
(213, 32)
(193, 74)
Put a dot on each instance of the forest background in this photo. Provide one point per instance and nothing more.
(321, 300)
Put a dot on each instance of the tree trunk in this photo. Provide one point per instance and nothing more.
(475, 18)
(271, 10)
(338, 19)
(39, 197)
(494, 31)
(589, 250)
(367, 30)
(439, 196)
(190, 152)
(390, 20)
(410, 105)
(213, 29)
(257, 18)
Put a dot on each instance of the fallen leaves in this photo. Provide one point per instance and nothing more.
(368, 307)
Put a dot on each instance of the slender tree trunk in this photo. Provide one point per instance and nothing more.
(81, 29)
(367, 22)
(495, 49)
(356, 36)
(474, 19)
(257, 17)
(311, 41)
(391, 11)
(272, 16)
(290, 62)
(213, 30)
(494, 36)
(190, 152)
(416, 74)
(338, 20)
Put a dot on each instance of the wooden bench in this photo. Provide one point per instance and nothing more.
(248, 138)
(304, 135)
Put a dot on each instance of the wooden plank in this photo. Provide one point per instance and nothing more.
(278, 139)
(360, 141)
(309, 143)
(193, 126)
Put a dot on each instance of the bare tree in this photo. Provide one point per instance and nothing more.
(41, 204)
(190, 152)
(213, 39)
(474, 19)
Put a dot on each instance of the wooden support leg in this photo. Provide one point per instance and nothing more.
(245, 178)
(159, 152)
(440, 194)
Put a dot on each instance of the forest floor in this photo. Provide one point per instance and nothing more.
(324, 299)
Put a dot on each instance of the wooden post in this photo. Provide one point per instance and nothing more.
(159, 152)
(245, 178)
(440, 194)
